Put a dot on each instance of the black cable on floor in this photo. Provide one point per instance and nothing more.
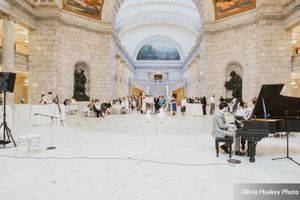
(122, 158)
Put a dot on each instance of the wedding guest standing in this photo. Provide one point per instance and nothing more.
(43, 100)
(212, 102)
(204, 104)
(183, 105)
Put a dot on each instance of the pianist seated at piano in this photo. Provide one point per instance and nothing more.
(221, 130)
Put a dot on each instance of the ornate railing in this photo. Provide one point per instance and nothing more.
(169, 86)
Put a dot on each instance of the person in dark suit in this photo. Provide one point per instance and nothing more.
(204, 104)
(156, 104)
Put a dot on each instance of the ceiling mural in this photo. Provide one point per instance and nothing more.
(88, 8)
(225, 8)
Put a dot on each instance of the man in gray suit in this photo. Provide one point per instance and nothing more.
(221, 129)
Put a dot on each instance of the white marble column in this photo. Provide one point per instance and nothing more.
(8, 52)
(125, 80)
(121, 92)
(8, 45)
(197, 76)
(116, 77)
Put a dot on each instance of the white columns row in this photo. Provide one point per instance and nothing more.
(121, 78)
(8, 52)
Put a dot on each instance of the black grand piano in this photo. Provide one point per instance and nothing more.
(272, 113)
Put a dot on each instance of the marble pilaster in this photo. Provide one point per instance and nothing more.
(8, 52)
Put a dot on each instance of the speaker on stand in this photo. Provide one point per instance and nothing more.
(7, 84)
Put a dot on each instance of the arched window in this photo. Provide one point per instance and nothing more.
(158, 50)
(81, 90)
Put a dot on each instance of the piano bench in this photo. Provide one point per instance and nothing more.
(225, 140)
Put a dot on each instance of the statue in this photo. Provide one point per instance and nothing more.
(235, 84)
(79, 86)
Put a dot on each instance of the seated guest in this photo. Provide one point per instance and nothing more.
(50, 98)
(108, 107)
(222, 99)
(43, 100)
(67, 102)
(103, 109)
(92, 107)
(22, 100)
(221, 129)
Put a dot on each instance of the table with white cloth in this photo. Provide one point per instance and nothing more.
(116, 108)
(20, 117)
(26, 113)
(194, 109)
(72, 109)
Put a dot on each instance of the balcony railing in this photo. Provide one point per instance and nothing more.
(161, 85)
(42, 2)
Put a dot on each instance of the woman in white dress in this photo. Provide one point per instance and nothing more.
(126, 103)
(148, 116)
(144, 105)
(161, 114)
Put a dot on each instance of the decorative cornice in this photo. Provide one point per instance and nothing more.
(25, 5)
(54, 13)
(253, 17)
(13, 10)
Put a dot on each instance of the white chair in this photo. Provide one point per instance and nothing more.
(85, 112)
(73, 109)
(31, 140)
(22, 118)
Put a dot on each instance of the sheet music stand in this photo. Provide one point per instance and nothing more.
(287, 142)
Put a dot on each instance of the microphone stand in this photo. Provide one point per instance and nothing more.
(59, 111)
(51, 147)
(287, 141)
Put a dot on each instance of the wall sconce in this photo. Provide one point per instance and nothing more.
(26, 82)
(294, 84)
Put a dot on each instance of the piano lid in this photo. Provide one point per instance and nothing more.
(262, 103)
(276, 105)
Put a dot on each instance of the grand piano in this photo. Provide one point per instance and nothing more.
(272, 113)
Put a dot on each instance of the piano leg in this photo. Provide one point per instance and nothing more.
(252, 150)
(248, 154)
(243, 142)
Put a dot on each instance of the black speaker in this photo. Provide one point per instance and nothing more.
(7, 81)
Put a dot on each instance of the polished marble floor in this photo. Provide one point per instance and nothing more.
(131, 157)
